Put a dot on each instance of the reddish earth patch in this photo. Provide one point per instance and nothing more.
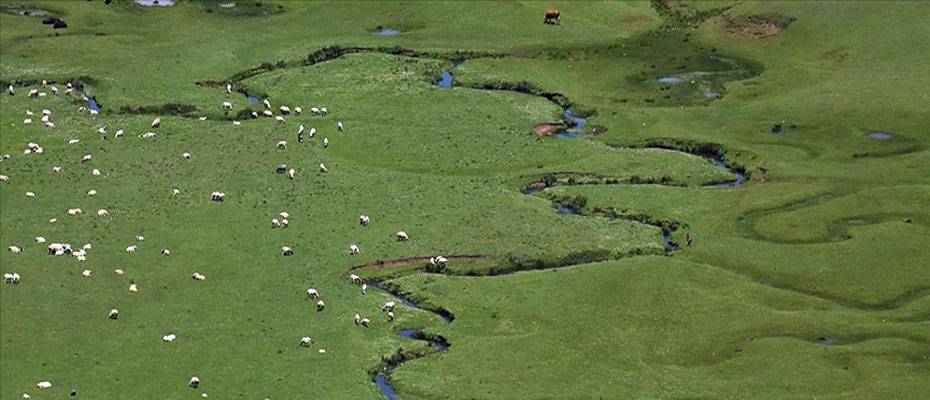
(403, 262)
(756, 26)
(547, 129)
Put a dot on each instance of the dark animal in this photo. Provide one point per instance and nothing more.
(552, 17)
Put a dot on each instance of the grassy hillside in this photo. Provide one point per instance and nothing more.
(805, 281)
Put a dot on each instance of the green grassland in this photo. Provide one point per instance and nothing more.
(807, 281)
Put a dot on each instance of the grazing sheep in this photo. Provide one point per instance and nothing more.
(313, 294)
(186, 156)
(103, 213)
(305, 341)
(165, 252)
(118, 134)
(285, 110)
(324, 111)
(87, 158)
(218, 196)
(92, 192)
(11, 278)
(147, 135)
(46, 118)
(56, 169)
(236, 123)
(133, 288)
(266, 103)
(156, 123)
(363, 220)
(298, 110)
(227, 105)
(284, 214)
(323, 168)
(169, 338)
(175, 192)
(282, 145)
(131, 249)
(279, 119)
(320, 306)
(358, 318)
(325, 142)
(118, 272)
(355, 279)
(290, 173)
(94, 114)
(34, 93)
(198, 276)
(365, 322)
(15, 249)
(287, 251)
(312, 133)
(114, 314)
(74, 141)
(95, 172)
(4, 178)
(254, 115)
(353, 250)
(102, 130)
(364, 289)
(44, 385)
(275, 223)
(314, 110)
(40, 239)
(75, 211)
(390, 315)
(30, 194)
(87, 273)
(402, 236)
(55, 90)
(389, 306)
(341, 127)
(27, 121)
(281, 168)
(228, 88)
(10, 90)
(284, 223)
(194, 383)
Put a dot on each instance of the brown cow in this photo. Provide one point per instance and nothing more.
(552, 16)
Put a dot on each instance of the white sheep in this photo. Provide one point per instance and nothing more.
(290, 173)
(133, 288)
(389, 306)
(103, 213)
(4, 178)
(228, 88)
(282, 145)
(87, 273)
(92, 192)
(353, 250)
(15, 249)
(118, 272)
(305, 341)
(194, 383)
(56, 169)
(30, 195)
(40, 239)
(227, 105)
(312, 293)
(275, 223)
(323, 168)
(325, 142)
(131, 249)
(285, 223)
(266, 103)
(169, 338)
(114, 314)
(147, 135)
(156, 123)
(402, 236)
(390, 315)
(298, 110)
(323, 111)
(119, 134)
(312, 133)
(75, 211)
(165, 252)
(365, 322)
(279, 119)
(364, 289)
(287, 251)
(320, 306)
(95, 172)
(186, 156)
(340, 126)
(355, 279)
(87, 158)
(284, 214)
(198, 276)
(363, 220)
(44, 385)
(74, 141)
(284, 110)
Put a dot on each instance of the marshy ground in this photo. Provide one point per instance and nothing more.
(648, 200)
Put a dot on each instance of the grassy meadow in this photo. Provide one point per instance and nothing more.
(809, 280)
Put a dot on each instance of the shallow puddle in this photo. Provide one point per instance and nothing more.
(880, 136)
(155, 3)
(386, 32)
(446, 81)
